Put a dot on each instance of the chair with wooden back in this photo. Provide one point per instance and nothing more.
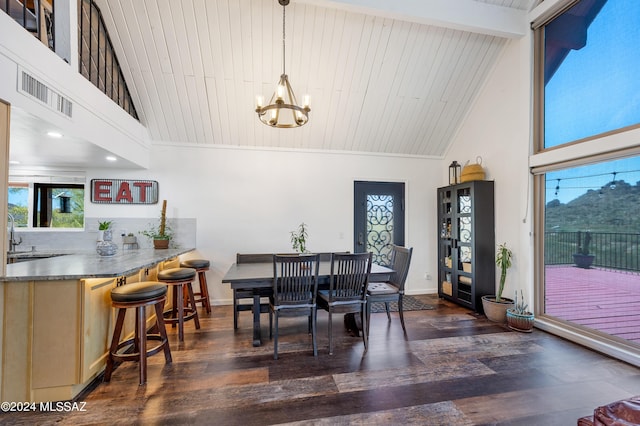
(295, 285)
(240, 294)
(393, 290)
(347, 289)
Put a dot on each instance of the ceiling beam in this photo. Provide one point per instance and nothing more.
(465, 15)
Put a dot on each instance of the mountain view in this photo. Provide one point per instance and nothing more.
(612, 208)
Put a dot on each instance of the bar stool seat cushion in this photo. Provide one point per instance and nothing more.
(176, 274)
(195, 263)
(137, 292)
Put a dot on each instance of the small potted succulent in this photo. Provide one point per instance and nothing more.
(129, 238)
(518, 318)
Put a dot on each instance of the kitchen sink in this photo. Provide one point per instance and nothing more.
(24, 256)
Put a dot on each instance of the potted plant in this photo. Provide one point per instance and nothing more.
(103, 226)
(105, 246)
(582, 258)
(160, 233)
(129, 238)
(518, 318)
(495, 306)
(299, 238)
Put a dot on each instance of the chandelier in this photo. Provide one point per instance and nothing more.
(283, 110)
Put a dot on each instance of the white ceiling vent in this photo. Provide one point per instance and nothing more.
(31, 86)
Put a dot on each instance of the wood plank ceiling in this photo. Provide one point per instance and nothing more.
(381, 79)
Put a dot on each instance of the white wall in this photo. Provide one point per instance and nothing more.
(498, 129)
(249, 200)
(96, 118)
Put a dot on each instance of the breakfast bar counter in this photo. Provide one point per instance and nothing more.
(57, 319)
(62, 266)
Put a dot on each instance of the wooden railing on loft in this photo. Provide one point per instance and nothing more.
(36, 16)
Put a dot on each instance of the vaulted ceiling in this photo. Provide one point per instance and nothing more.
(393, 77)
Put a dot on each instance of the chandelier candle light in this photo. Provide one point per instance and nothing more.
(283, 110)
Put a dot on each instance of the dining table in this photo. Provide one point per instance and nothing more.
(258, 276)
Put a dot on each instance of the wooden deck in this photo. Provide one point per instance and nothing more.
(604, 300)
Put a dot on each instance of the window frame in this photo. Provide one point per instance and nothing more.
(615, 144)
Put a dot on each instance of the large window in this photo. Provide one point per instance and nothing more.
(588, 179)
(46, 205)
(590, 70)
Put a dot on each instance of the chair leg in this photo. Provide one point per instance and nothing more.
(365, 329)
(270, 324)
(330, 333)
(141, 338)
(401, 312)
(114, 344)
(275, 339)
(386, 305)
(204, 291)
(163, 332)
(192, 302)
(179, 294)
(365, 326)
(314, 313)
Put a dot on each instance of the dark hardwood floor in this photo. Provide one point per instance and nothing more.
(453, 368)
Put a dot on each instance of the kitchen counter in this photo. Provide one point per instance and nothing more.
(88, 264)
(57, 318)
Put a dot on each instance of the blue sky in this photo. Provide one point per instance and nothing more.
(591, 83)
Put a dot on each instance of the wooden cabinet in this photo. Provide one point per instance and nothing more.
(466, 243)
(97, 325)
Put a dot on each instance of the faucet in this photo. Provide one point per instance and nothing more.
(12, 240)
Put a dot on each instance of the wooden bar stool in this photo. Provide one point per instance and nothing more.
(138, 296)
(180, 279)
(201, 266)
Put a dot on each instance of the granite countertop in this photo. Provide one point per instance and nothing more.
(87, 264)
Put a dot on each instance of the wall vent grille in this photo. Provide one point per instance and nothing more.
(35, 88)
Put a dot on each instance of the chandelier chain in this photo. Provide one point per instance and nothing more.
(283, 39)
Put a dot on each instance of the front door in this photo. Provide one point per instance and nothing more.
(378, 218)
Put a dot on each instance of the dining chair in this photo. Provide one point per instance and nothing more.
(392, 290)
(347, 289)
(244, 294)
(295, 284)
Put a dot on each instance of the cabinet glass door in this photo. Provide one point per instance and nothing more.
(446, 247)
(463, 244)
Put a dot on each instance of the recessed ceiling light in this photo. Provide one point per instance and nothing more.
(54, 134)
(111, 158)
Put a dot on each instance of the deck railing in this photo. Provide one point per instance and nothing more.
(611, 250)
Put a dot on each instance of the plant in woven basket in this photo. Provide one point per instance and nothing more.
(519, 307)
(518, 317)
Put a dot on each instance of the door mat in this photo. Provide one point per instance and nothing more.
(409, 303)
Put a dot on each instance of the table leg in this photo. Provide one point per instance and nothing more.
(257, 341)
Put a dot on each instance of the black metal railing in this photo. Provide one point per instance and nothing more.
(98, 62)
(35, 16)
(610, 250)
